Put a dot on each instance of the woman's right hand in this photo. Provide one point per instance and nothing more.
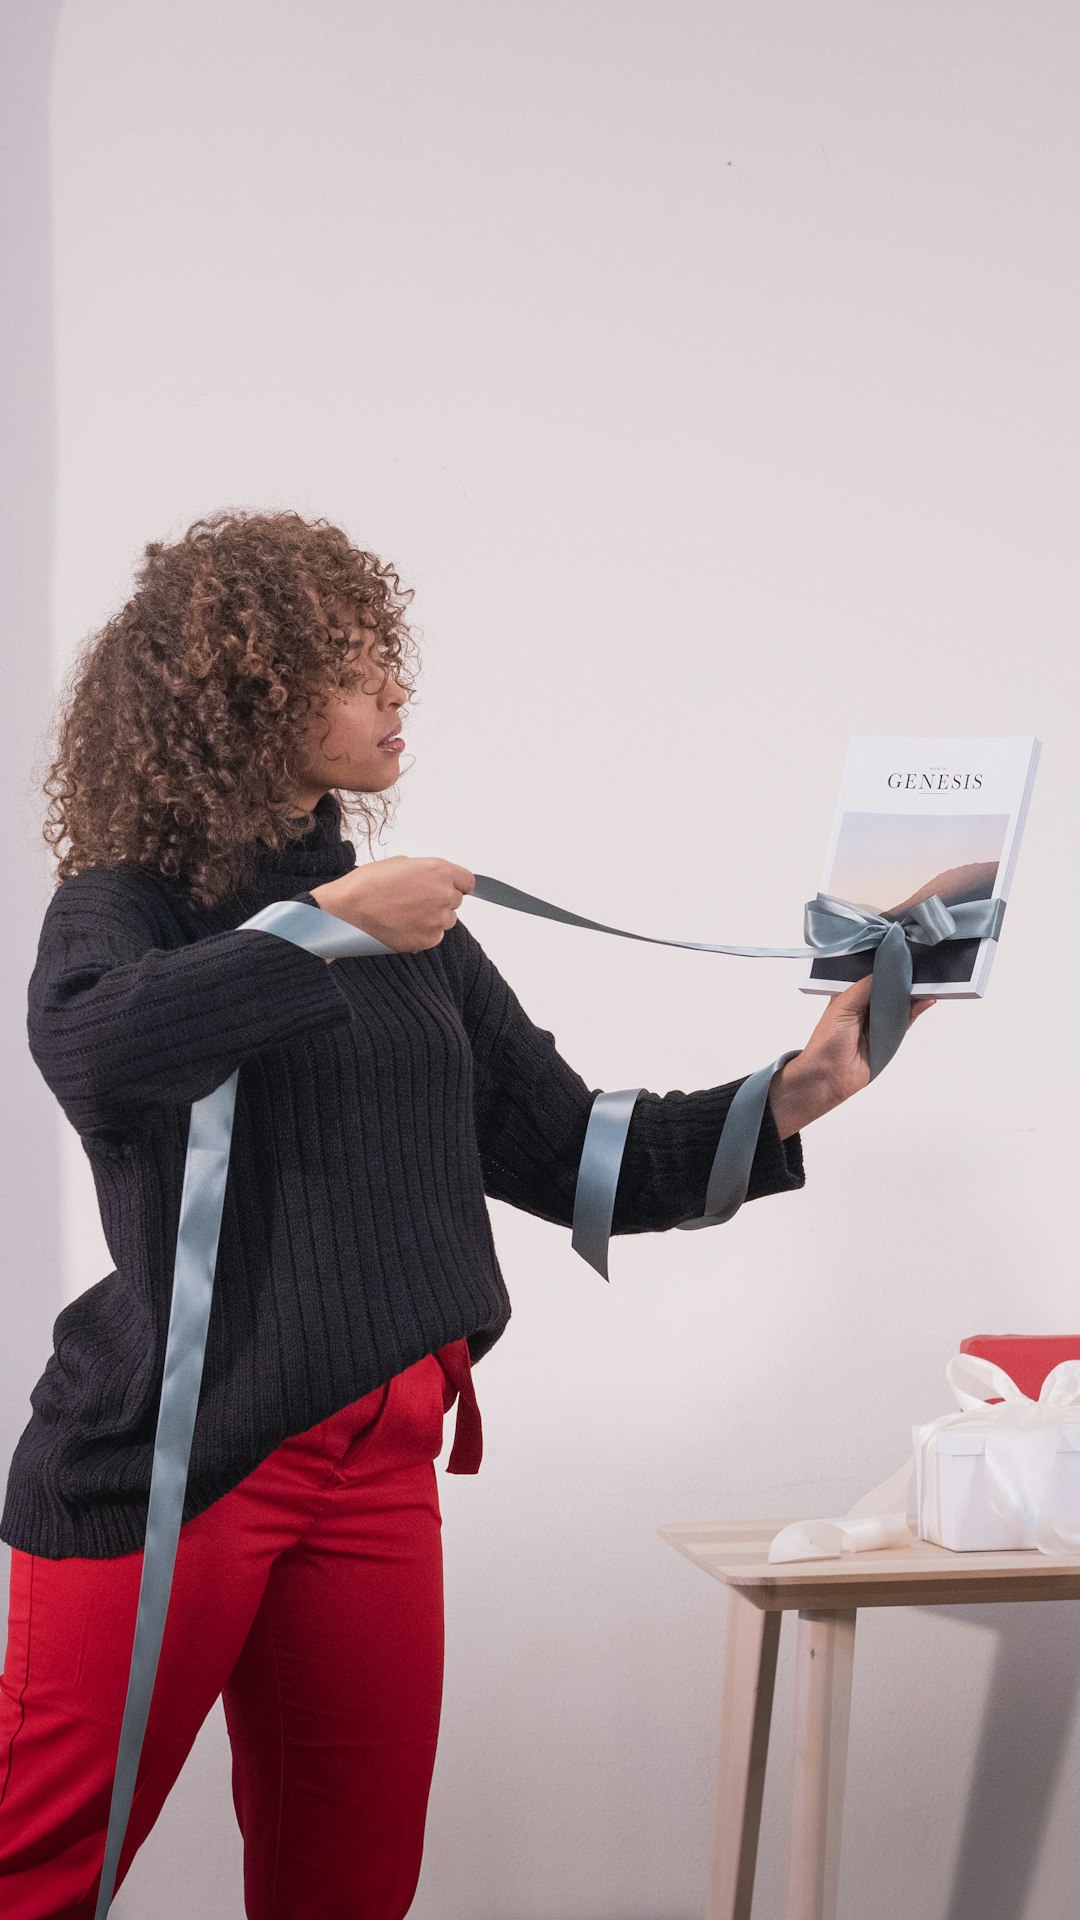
(406, 902)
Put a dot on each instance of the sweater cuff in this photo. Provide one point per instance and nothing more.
(777, 1166)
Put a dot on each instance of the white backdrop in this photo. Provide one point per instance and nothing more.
(710, 372)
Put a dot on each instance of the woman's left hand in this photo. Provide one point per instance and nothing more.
(835, 1062)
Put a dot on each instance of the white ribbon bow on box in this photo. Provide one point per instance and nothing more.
(1021, 1442)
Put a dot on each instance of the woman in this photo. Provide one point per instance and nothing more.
(208, 733)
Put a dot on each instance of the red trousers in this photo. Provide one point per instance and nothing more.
(310, 1598)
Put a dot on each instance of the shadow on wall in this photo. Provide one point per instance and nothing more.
(32, 1281)
(1026, 1726)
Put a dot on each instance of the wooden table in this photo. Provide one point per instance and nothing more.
(826, 1594)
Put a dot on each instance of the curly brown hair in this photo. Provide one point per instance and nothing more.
(181, 720)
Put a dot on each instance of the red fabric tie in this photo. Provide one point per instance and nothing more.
(468, 1448)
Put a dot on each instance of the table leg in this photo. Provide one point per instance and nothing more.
(749, 1675)
(824, 1653)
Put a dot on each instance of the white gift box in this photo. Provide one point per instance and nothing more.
(953, 1490)
(1001, 1474)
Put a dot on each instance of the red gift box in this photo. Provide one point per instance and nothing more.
(1026, 1357)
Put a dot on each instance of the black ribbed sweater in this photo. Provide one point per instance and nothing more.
(379, 1100)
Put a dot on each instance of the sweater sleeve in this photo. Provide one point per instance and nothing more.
(532, 1110)
(118, 1023)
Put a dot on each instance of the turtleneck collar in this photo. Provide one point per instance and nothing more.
(320, 854)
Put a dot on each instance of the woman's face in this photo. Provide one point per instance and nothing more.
(344, 732)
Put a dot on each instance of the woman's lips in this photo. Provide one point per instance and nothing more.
(392, 744)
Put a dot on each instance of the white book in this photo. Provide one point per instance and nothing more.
(918, 816)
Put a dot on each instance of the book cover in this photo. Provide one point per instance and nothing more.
(918, 816)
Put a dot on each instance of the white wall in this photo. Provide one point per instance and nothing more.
(710, 371)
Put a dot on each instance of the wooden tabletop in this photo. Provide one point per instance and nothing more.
(736, 1552)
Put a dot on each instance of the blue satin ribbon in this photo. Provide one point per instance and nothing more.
(832, 927)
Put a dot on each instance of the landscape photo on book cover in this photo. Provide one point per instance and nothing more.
(882, 861)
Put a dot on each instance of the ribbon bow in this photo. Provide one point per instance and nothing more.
(925, 924)
(206, 1169)
(1021, 1444)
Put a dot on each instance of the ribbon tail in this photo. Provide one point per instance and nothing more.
(895, 1494)
(598, 1175)
(202, 1200)
(890, 998)
(1019, 1463)
(1053, 1535)
(882, 1518)
(832, 1539)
